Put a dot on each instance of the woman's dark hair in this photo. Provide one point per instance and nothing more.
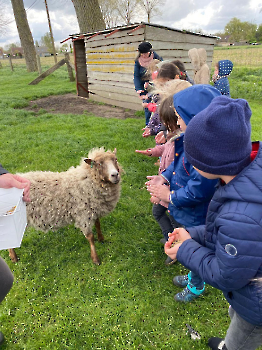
(167, 114)
(168, 71)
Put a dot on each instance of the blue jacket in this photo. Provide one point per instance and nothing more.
(222, 84)
(140, 71)
(190, 192)
(227, 252)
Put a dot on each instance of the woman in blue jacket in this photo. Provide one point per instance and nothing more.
(145, 56)
(188, 192)
(227, 251)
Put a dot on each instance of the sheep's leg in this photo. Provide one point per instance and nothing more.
(94, 255)
(98, 230)
(13, 255)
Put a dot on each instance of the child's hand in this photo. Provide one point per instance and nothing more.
(144, 104)
(155, 180)
(146, 84)
(154, 200)
(159, 191)
(171, 251)
(179, 234)
(160, 138)
(146, 132)
(146, 152)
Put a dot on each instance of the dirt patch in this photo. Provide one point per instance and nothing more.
(72, 104)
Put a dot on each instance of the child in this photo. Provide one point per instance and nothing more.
(220, 78)
(183, 73)
(189, 193)
(166, 152)
(227, 251)
(198, 59)
(167, 72)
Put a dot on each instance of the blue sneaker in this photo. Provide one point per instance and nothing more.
(189, 293)
(180, 281)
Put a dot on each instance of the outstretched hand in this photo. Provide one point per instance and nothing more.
(155, 180)
(11, 180)
(146, 152)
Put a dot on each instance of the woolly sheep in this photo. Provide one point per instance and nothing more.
(80, 195)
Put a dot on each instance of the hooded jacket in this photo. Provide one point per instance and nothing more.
(227, 252)
(198, 58)
(221, 82)
(190, 192)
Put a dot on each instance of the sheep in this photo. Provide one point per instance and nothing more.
(80, 195)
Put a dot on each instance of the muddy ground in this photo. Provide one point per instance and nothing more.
(72, 104)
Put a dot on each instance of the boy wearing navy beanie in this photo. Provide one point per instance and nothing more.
(227, 251)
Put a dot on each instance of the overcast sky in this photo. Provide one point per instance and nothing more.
(208, 15)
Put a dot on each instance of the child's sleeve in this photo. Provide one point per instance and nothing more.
(232, 260)
(198, 189)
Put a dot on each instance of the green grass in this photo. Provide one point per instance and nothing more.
(59, 299)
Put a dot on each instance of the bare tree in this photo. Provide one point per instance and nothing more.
(127, 9)
(109, 12)
(4, 18)
(25, 35)
(89, 15)
(151, 7)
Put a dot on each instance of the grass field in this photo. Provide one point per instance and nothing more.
(60, 300)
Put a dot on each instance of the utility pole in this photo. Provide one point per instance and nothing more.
(51, 33)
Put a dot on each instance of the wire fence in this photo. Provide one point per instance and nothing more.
(245, 56)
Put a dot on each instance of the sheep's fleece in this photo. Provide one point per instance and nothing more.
(79, 195)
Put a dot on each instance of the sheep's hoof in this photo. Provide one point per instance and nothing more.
(96, 261)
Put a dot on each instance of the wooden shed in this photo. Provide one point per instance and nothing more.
(104, 60)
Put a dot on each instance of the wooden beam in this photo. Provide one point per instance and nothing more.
(48, 72)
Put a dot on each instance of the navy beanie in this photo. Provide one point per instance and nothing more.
(144, 47)
(217, 141)
(194, 99)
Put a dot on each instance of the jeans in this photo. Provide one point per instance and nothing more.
(147, 115)
(242, 335)
(6, 279)
(166, 222)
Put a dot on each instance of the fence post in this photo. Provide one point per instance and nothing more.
(39, 64)
(69, 67)
(11, 64)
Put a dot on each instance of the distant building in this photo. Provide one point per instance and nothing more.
(17, 52)
(42, 51)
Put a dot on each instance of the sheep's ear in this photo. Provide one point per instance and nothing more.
(89, 161)
(114, 151)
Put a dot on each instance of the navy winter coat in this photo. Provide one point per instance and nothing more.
(140, 71)
(190, 192)
(227, 252)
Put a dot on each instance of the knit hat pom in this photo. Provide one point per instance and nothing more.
(217, 140)
(144, 47)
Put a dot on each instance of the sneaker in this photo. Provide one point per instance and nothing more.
(180, 281)
(1, 338)
(163, 241)
(189, 295)
(216, 343)
(170, 261)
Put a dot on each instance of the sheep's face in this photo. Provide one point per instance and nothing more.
(106, 166)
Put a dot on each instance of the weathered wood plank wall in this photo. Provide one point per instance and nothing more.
(110, 59)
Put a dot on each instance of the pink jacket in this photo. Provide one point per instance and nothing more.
(167, 153)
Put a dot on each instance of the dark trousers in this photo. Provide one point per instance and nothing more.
(166, 222)
(6, 279)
